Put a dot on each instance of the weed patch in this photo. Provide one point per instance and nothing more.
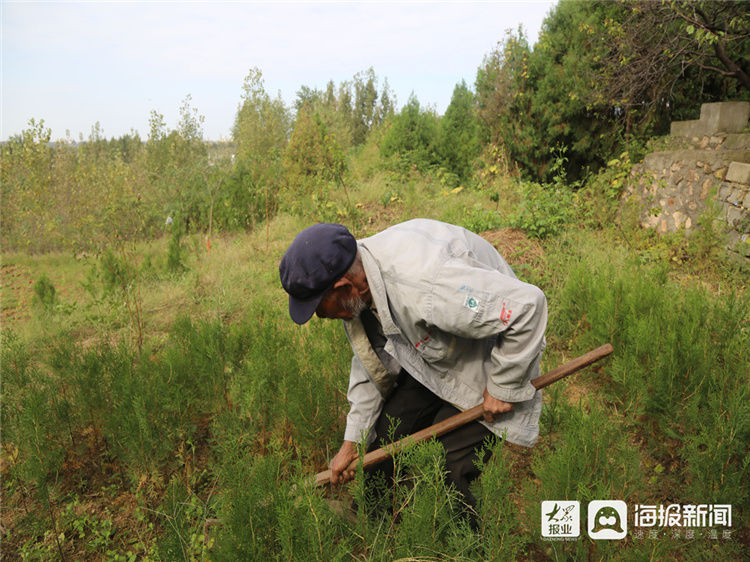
(227, 409)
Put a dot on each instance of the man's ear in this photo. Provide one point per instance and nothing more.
(343, 282)
(358, 283)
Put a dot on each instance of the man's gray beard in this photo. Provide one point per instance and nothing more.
(354, 305)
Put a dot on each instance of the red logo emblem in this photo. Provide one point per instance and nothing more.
(423, 340)
(505, 315)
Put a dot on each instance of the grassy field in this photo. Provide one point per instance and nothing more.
(154, 390)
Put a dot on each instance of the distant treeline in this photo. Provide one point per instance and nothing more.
(602, 78)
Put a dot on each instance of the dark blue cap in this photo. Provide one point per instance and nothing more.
(319, 256)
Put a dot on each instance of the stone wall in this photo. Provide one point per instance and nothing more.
(708, 173)
(724, 117)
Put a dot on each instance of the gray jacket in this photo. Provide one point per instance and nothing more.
(457, 319)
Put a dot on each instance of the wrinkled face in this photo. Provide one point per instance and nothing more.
(343, 302)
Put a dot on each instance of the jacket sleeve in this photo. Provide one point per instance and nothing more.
(474, 301)
(365, 403)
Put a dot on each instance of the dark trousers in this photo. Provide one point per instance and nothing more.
(415, 407)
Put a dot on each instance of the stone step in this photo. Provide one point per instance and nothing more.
(719, 141)
(737, 141)
(722, 117)
(714, 159)
(739, 172)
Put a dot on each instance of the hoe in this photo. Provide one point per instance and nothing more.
(454, 422)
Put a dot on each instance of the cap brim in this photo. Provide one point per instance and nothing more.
(302, 310)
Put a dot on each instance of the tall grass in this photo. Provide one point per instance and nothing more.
(678, 379)
(225, 414)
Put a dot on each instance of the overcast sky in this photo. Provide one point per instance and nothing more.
(76, 63)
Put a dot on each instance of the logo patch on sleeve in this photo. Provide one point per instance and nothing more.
(471, 303)
(505, 315)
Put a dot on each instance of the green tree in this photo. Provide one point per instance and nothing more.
(307, 96)
(564, 67)
(413, 135)
(459, 142)
(344, 105)
(261, 127)
(604, 73)
(503, 89)
(190, 126)
(330, 95)
(176, 161)
(128, 146)
(27, 167)
(350, 112)
(261, 132)
(313, 152)
(59, 196)
(365, 105)
(387, 105)
(665, 58)
(157, 149)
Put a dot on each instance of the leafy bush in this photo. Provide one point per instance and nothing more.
(312, 151)
(45, 295)
(243, 200)
(116, 271)
(413, 136)
(600, 195)
(478, 219)
(175, 253)
(544, 210)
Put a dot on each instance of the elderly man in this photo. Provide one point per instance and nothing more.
(438, 323)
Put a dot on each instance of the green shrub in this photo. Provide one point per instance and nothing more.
(600, 197)
(413, 137)
(680, 364)
(34, 439)
(116, 271)
(593, 459)
(243, 199)
(94, 531)
(709, 238)
(544, 210)
(287, 520)
(176, 253)
(430, 513)
(476, 218)
(183, 515)
(716, 452)
(496, 495)
(459, 134)
(45, 295)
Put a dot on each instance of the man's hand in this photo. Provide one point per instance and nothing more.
(493, 407)
(338, 465)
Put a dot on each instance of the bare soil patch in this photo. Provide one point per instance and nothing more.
(17, 290)
(516, 248)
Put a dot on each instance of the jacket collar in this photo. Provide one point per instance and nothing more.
(377, 288)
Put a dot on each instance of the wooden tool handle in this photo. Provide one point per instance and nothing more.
(454, 422)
